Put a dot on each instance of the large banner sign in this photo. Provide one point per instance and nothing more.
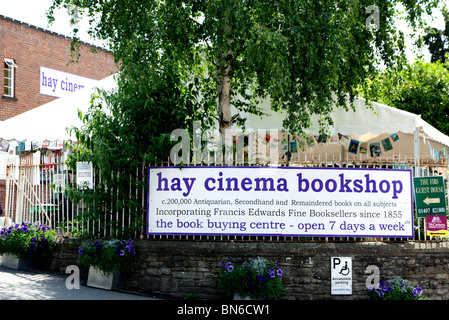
(280, 201)
(59, 84)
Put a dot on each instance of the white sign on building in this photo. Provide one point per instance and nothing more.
(60, 84)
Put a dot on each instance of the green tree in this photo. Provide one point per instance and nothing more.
(182, 61)
(121, 140)
(299, 53)
(437, 40)
(421, 88)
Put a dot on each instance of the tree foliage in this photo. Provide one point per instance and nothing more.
(125, 130)
(421, 88)
(299, 53)
(182, 61)
(437, 40)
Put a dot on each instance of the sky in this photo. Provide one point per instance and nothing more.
(33, 12)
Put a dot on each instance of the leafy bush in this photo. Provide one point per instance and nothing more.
(396, 289)
(108, 256)
(32, 240)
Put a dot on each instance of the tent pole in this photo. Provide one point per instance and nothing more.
(417, 173)
(416, 151)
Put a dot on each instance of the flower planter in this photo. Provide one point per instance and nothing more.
(256, 279)
(98, 279)
(13, 262)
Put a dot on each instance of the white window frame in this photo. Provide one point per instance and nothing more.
(11, 66)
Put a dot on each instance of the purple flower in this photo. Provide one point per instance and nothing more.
(416, 291)
(280, 272)
(230, 268)
(98, 245)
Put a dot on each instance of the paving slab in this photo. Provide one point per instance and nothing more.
(35, 285)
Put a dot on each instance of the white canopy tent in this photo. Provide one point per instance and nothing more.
(375, 118)
(50, 120)
(365, 120)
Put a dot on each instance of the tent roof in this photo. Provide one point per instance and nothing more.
(50, 120)
(375, 118)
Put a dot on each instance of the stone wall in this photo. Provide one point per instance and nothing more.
(190, 268)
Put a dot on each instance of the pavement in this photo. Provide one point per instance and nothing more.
(42, 285)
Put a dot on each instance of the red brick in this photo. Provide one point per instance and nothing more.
(32, 47)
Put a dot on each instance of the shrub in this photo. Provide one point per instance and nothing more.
(31, 240)
(109, 256)
(396, 289)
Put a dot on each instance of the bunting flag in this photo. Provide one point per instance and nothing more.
(394, 137)
(4, 145)
(343, 139)
(386, 143)
(363, 147)
(275, 143)
(284, 145)
(333, 140)
(21, 146)
(353, 146)
(267, 139)
(293, 147)
(374, 149)
(35, 144)
(310, 141)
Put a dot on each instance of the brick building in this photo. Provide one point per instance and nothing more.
(37, 70)
(27, 52)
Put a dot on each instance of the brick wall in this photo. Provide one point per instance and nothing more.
(31, 47)
(178, 268)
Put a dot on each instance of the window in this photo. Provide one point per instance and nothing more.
(9, 67)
